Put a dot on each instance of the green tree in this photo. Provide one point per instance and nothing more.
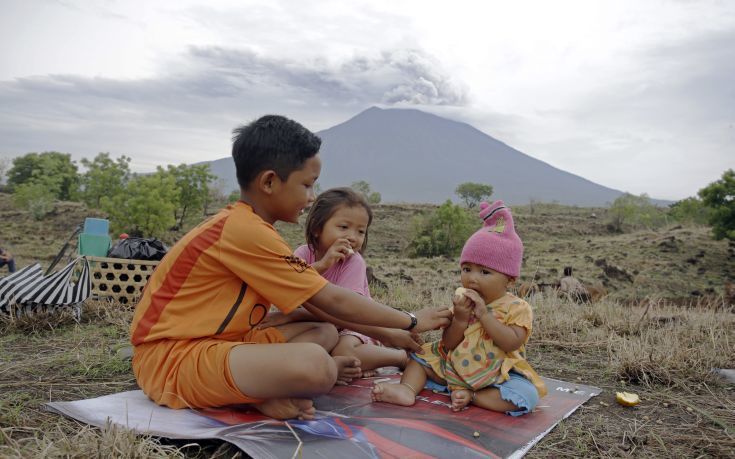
(473, 193)
(635, 211)
(719, 197)
(690, 210)
(56, 171)
(104, 177)
(363, 187)
(193, 185)
(146, 205)
(442, 232)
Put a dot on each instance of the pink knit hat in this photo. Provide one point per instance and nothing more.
(496, 245)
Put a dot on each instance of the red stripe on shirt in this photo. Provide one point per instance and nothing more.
(175, 278)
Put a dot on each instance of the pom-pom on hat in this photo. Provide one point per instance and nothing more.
(496, 245)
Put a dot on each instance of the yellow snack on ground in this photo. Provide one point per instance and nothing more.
(627, 398)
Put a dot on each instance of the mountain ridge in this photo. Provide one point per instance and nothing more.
(409, 155)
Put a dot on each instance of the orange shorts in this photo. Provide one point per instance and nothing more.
(194, 373)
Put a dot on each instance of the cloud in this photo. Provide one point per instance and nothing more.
(185, 114)
(661, 123)
(407, 76)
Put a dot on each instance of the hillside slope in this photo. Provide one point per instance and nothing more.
(676, 262)
(411, 156)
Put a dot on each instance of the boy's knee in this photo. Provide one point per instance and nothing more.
(319, 370)
(327, 335)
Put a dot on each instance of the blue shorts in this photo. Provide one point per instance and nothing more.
(517, 390)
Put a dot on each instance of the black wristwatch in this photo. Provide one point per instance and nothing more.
(414, 321)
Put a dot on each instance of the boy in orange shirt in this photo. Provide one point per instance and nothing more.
(194, 328)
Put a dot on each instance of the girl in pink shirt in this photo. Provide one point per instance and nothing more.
(336, 234)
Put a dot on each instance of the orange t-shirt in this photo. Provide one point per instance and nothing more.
(221, 279)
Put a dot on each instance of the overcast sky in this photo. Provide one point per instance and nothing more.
(634, 95)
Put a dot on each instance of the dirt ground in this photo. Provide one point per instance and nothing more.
(659, 333)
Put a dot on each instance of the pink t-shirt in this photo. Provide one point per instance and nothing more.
(350, 274)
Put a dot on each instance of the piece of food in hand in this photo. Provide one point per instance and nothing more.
(627, 398)
(460, 292)
(350, 251)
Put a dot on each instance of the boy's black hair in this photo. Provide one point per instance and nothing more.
(568, 271)
(326, 205)
(271, 142)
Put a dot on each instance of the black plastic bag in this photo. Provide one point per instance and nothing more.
(138, 248)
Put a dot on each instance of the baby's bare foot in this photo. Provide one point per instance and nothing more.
(397, 394)
(348, 368)
(460, 399)
(287, 408)
(369, 373)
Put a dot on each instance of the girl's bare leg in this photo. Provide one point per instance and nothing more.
(490, 399)
(412, 382)
(370, 356)
(285, 375)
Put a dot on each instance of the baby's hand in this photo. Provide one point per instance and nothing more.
(478, 304)
(462, 304)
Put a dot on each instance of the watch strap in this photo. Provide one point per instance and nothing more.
(414, 321)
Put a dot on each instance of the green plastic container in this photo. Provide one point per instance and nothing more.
(96, 245)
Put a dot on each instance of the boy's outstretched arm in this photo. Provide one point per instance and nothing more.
(347, 305)
(390, 337)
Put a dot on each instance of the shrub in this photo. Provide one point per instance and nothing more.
(442, 232)
(636, 212)
(719, 197)
(689, 210)
(36, 198)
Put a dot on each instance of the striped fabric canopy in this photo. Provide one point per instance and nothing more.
(28, 291)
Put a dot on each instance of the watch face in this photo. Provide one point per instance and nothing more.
(414, 321)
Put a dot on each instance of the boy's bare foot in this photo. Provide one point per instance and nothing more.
(348, 368)
(397, 394)
(368, 373)
(460, 399)
(287, 408)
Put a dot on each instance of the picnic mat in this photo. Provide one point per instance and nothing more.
(348, 424)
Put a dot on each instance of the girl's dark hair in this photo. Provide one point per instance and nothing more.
(324, 207)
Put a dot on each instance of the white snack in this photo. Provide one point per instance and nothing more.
(460, 292)
(350, 251)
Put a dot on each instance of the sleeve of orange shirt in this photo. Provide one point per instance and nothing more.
(261, 258)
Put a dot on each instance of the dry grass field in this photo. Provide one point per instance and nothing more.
(659, 333)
